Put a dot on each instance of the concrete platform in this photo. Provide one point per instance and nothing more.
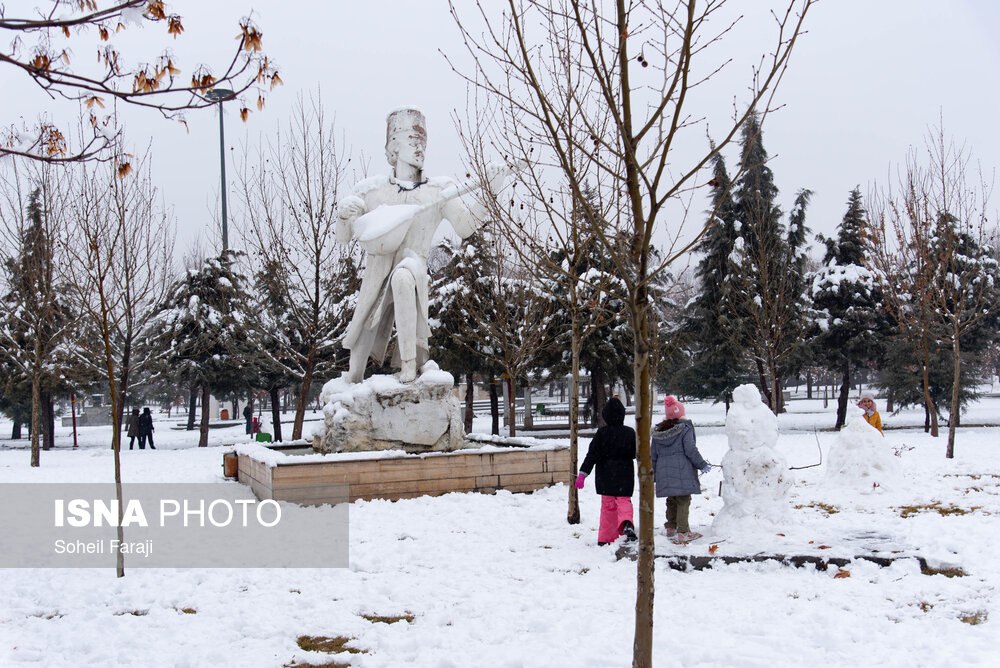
(314, 479)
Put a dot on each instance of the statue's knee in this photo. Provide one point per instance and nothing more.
(403, 281)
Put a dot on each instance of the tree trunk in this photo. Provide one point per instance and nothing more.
(192, 402)
(956, 387)
(809, 384)
(36, 402)
(529, 421)
(494, 407)
(304, 389)
(511, 406)
(116, 445)
(642, 650)
(889, 402)
(123, 381)
(48, 421)
(779, 394)
(845, 391)
(275, 414)
(573, 502)
(598, 395)
(15, 431)
(470, 393)
(765, 386)
(929, 401)
(52, 423)
(205, 404)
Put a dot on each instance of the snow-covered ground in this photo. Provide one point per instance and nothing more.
(503, 580)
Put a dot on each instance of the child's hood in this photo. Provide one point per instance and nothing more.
(614, 412)
(671, 435)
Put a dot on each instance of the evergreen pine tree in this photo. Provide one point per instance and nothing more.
(850, 325)
(37, 320)
(208, 331)
(457, 292)
(716, 360)
(764, 286)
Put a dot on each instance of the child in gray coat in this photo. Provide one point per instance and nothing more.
(676, 462)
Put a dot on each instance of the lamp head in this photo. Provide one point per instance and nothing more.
(219, 94)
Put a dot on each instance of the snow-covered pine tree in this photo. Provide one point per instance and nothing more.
(517, 322)
(208, 331)
(717, 361)
(765, 285)
(850, 324)
(277, 336)
(966, 297)
(36, 312)
(602, 322)
(456, 293)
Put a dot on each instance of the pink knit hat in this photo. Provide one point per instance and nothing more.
(673, 409)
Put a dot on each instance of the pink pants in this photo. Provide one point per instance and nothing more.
(614, 511)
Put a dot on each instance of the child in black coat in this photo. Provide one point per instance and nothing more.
(612, 452)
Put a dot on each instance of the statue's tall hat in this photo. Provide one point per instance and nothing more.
(405, 119)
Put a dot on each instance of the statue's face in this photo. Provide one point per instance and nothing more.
(410, 147)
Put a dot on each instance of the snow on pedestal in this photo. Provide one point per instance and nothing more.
(860, 458)
(755, 477)
(382, 413)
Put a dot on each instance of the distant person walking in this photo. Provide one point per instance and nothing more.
(676, 462)
(248, 416)
(867, 404)
(132, 425)
(146, 429)
(612, 452)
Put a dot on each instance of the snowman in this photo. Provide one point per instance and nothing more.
(859, 458)
(755, 477)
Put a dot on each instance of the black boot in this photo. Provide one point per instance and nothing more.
(629, 530)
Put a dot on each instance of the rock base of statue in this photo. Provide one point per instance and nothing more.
(383, 414)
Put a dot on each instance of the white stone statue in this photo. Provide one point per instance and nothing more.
(395, 218)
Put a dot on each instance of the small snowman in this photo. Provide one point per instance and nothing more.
(860, 458)
(755, 476)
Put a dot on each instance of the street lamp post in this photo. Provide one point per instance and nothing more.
(220, 95)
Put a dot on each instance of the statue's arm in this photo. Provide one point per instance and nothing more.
(465, 219)
(348, 210)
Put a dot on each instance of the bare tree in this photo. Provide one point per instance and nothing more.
(120, 259)
(520, 63)
(552, 238)
(562, 250)
(290, 192)
(119, 217)
(42, 45)
(933, 252)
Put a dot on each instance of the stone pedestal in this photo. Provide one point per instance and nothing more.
(383, 414)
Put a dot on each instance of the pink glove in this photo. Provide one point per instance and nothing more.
(579, 480)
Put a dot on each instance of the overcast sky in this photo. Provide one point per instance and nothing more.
(865, 83)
